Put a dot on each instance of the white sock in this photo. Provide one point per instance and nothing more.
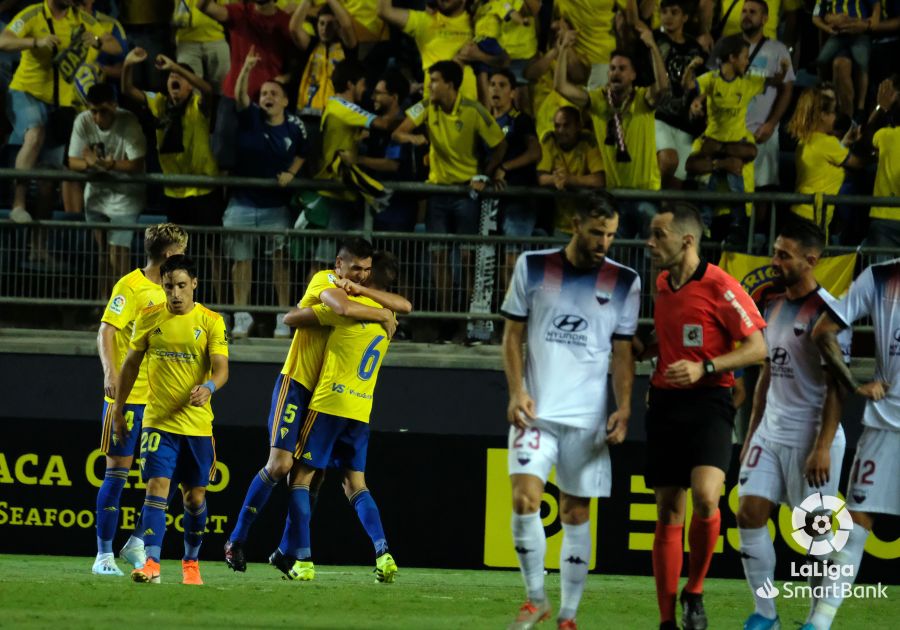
(574, 560)
(531, 546)
(758, 558)
(133, 541)
(851, 555)
(814, 581)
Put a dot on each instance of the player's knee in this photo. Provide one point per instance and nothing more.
(279, 465)
(841, 67)
(158, 487)
(574, 512)
(194, 497)
(353, 486)
(525, 502)
(751, 517)
(668, 161)
(705, 506)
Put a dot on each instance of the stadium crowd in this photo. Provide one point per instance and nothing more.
(564, 94)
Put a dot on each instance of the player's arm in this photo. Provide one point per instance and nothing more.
(522, 409)
(166, 64)
(106, 348)
(136, 56)
(392, 301)
(127, 375)
(201, 393)
(660, 75)
(825, 336)
(345, 22)
(301, 318)
(241, 85)
(818, 463)
(759, 405)
(751, 351)
(404, 134)
(623, 383)
(299, 35)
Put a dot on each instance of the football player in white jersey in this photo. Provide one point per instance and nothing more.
(573, 307)
(795, 443)
(873, 487)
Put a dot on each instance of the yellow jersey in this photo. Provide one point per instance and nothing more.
(193, 25)
(132, 293)
(178, 351)
(90, 72)
(639, 124)
(518, 40)
(452, 149)
(439, 38)
(353, 357)
(593, 19)
(543, 119)
(819, 169)
(726, 104)
(582, 159)
(487, 19)
(315, 84)
(35, 73)
(196, 158)
(304, 359)
(342, 125)
(887, 177)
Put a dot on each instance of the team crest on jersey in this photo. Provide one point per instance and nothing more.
(332, 278)
(692, 336)
(459, 125)
(197, 333)
(523, 458)
(118, 304)
(603, 296)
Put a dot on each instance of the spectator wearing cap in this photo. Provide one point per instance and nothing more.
(569, 161)
(200, 42)
(271, 144)
(108, 139)
(260, 24)
(523, 151)
(455, 125)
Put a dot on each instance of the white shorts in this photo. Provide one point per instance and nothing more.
(119, 238)
(774, 471)
(765, 166)
(669, 137)
(582, 469)
(873, 486)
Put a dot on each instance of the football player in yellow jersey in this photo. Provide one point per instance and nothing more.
(187, 362)
(294, 386)
(335, 431)
(131, 294)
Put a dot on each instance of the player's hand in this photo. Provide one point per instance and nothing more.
(47, 41)
(252, 58)
(389, 323)
(90, 40)
(818, 466)
(683, 373)
(347, 158)
(109, 385)
(138, 55)
(887, 95)
(522, 410)
(284, 178)
(349, 286)
(645, 34)
(764, 132)
(120, 427)
(696, 110)
(499, 179)
(478, 184)
(706, 41)
(200, 395)
(418, 140)
(617, 427)
(874, 391)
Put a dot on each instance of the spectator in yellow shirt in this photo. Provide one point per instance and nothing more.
(625, 126)
(569, 161)
(200, 42)
(440, 35)
(455, 125)
(54, 38)
(884, 228)
(821, 158)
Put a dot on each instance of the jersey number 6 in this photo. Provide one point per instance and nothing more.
(369, 360)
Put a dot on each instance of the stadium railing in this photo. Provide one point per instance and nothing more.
(70, 275)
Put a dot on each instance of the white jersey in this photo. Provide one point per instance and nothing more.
(572, 315)
(797, 385)
(876, 292)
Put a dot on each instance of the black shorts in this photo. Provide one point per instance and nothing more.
(686, 429)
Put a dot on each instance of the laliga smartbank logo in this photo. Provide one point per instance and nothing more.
(822, 526)
(811, 521)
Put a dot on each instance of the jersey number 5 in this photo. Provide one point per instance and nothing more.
(369, 360)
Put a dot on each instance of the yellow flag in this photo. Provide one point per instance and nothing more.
(755, 274)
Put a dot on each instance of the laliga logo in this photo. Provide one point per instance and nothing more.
(820, 508)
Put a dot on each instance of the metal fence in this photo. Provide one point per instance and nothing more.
(60, 263)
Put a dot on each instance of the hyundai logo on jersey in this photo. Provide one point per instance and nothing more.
(570, 323)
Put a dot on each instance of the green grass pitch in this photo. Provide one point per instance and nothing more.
(45, 591)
